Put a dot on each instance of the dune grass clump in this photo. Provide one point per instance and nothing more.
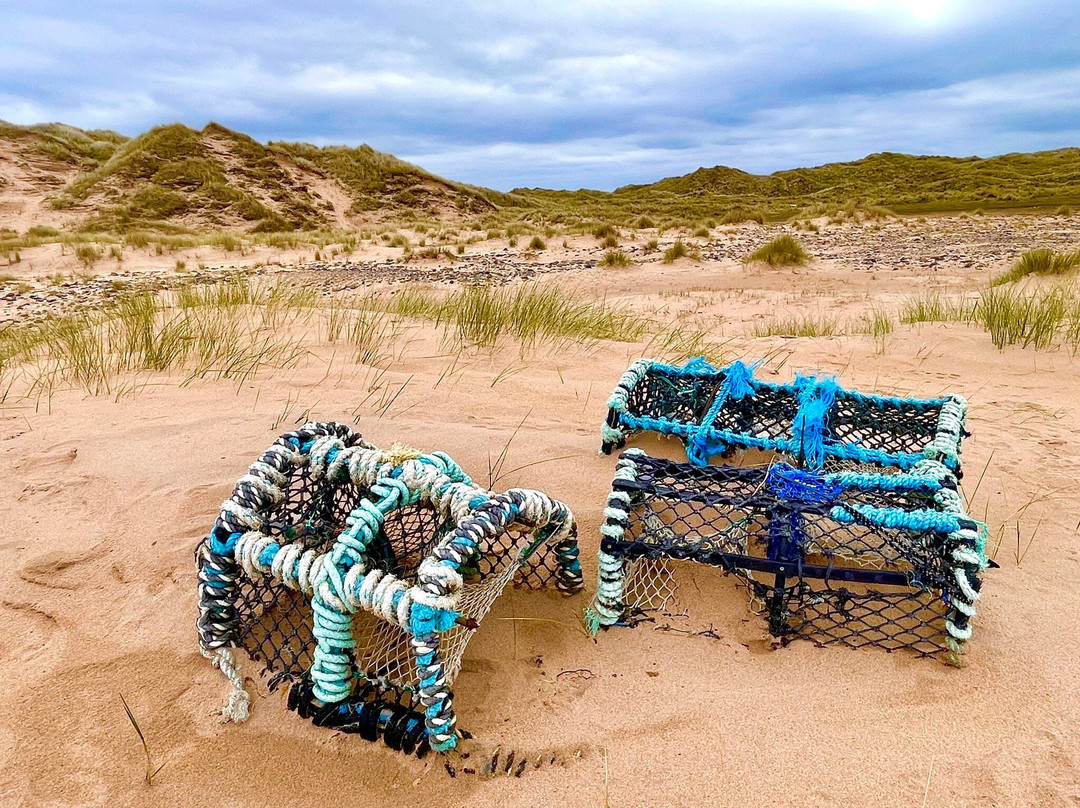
(1042, 261)
(740, 215)
(435, 253)
(810, 325)
(537, 243)
(535, 314)
(142, 332)
(615, 258)
(780, 252)
(675, 252)
(677, 344)
(1013, 315)
(1036, 318)
(878, 324)
(87, 254)
(935, 307)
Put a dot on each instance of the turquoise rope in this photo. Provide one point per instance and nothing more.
(920, 520)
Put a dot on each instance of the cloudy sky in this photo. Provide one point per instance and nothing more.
(563, 94)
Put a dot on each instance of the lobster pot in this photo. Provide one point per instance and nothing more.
(888, 560)
(357, 577)
(813, 422)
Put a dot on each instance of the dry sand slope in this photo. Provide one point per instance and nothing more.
(104, 501)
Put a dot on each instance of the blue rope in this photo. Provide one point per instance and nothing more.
(796, 485)
(810, 428)
(737, 385)
(810, 440)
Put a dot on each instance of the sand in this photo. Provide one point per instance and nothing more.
(105, 500)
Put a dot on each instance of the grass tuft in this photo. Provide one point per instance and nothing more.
(1042, 261)
(935, 307)
(740, 215)
(811, 325)
(615, 258)
(780, 252)
(680, 250)
(533, 314)
(1029, 318)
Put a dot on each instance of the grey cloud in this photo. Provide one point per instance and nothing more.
(566, 93)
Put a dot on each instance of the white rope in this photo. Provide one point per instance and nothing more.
(237, 708)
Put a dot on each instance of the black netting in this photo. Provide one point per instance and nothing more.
(768, 413)
(274, 628)
(811, 574)
(274, 622)
(312, 511)
(886, 425)
(407, 535)
(664, 394)
(887, 617)
(869, 422)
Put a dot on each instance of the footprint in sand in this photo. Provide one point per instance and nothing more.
(63, 569)
(192, 510)
(31, 642)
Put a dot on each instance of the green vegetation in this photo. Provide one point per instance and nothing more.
(780, 252)
(532, 314)
(173, 179)
(377, 181)
(877, 324)
(537, 243)
(1039, 262)
(615, 258)
(1013, 315)
(935, 307)
(87, 254)
(65, 144)
(180, 182)
(903, 183)
(740, 215)
(141, 333)
(813, 325)
(1039, 317)
(679, 250)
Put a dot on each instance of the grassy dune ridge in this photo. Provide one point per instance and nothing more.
(176, 180)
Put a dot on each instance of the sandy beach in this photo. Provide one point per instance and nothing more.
(107, 495)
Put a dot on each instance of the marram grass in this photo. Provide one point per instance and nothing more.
(780, 252)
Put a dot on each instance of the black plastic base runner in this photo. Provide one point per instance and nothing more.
(733, 561)
(401, 728)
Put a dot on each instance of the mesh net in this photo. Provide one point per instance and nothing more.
(662, 393)
(275, 622)
(869, 422)
(811, 576)
(650, 584)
